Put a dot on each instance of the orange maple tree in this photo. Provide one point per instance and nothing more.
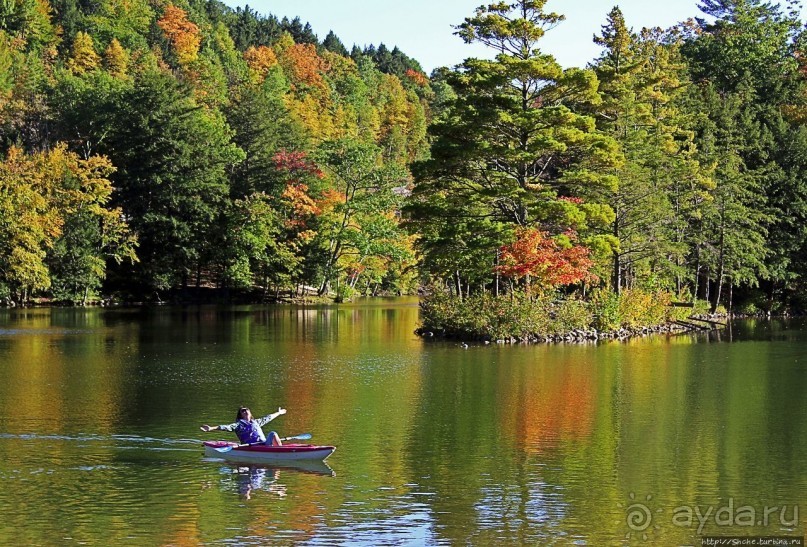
(184, 34)
(304, 67)
(540, 259)
(417, 77)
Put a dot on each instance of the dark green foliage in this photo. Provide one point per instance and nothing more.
(71, 16)
(678, 158)
(389, 62)
(302, 34)
(333, 44)
(748, 77)
(249, 28)
(167, 148)
(262, 126)
(172, 159)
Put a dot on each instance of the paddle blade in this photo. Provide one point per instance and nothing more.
(224, 449)
(301, 437)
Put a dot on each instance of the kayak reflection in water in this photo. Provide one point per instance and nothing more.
(249, 429)
(258, 478)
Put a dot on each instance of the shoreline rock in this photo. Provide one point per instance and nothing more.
(575, 336)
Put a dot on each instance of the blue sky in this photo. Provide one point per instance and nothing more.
(423, 28)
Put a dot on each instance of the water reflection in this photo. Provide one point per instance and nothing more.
(256, 478)
(247, 479)
(437, 444)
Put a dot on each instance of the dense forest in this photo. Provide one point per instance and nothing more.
(152, 149)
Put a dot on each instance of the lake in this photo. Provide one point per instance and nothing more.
(654, 441)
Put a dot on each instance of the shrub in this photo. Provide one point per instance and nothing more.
(637, 308)
(605, 310)
(571, 315)
(520, 316)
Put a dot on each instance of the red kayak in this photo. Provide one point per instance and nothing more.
(266, 453)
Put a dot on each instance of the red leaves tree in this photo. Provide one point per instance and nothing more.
(417, 77)
(297, 204)
(541, 260)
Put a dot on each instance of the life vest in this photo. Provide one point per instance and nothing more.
(250, 432)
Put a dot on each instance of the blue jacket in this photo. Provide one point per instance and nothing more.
(248, 431)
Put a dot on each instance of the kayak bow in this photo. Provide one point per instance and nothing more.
(266, 453)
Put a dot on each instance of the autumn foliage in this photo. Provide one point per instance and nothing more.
(296, 164)
(305, 67)
(543, 261)
(295, 198)
(54, 197)
(184, 34)
(417, 77)
(191, 130)
(84, 58)
(260, 60)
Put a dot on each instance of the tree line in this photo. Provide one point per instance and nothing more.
(674, 161)
(153, 147)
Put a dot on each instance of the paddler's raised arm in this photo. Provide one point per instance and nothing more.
(280, 412)
(272, 416)
(223, 427)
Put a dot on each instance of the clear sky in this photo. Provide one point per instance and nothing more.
(423, 28)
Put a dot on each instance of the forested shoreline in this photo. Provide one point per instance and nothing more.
(156, 150)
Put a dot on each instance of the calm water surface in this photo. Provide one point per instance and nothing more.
(611, 444)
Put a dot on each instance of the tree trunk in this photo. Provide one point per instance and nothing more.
(720, 268)
(496, 277)
(617, 262)
(730, 304)
(705, 284)
(718, 290)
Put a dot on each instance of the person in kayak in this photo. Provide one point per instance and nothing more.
(249, 429)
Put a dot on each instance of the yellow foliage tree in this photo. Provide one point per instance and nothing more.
(83, 56)
(42, 197)
(30, 225)
(259, 60)
(283, 43)
(116, 59)
(308, 112)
